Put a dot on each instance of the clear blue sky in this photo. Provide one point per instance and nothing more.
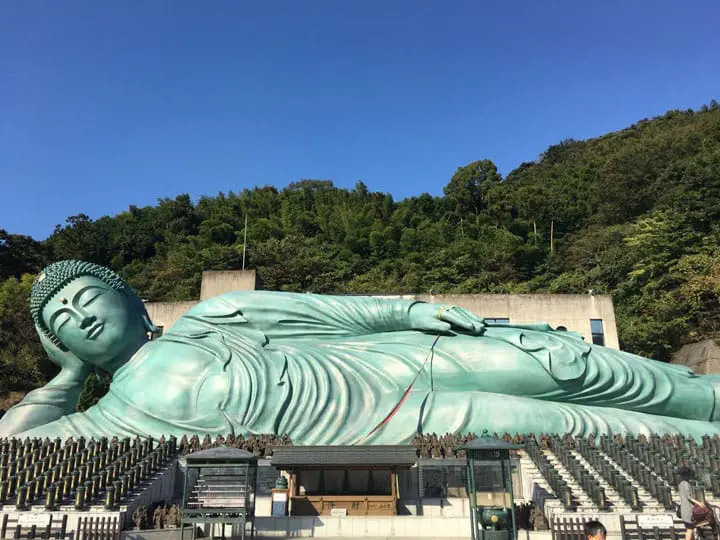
(104, 104)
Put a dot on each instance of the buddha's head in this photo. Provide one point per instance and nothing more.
(90, 311)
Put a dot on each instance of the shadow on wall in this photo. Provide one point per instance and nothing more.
(540, 495)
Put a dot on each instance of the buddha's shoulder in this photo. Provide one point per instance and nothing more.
(165, 355)
(238, 299)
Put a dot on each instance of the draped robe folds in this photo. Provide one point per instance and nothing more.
(348, 370)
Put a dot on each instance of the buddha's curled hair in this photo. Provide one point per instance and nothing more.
(55, 276)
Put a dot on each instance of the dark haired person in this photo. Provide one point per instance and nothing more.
(685, 491)
(594, 530)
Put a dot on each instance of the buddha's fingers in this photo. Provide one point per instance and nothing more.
(462, 319)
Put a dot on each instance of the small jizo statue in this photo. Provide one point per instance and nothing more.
(140, 517)
(537, 519)
(172, 517)
(159, 516)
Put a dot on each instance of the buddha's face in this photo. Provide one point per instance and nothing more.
(93, 320)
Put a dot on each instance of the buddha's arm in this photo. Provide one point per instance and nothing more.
(97, 421)
(86, 424)
(123, 412)
(282, 315)
(56, 399)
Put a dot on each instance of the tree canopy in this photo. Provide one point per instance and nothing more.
(633, 214)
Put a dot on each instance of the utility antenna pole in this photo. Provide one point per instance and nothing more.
(245, 242)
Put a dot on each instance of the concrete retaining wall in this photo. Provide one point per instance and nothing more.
(217, 283)
(164, 314)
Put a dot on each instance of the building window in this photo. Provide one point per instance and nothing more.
(597, 331)
(440, 482)
(497, 320)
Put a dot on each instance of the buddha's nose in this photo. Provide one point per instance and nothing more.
(87, 321)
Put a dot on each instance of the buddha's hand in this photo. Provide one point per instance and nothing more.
(438, 318)
(70, 365)
(52, 401)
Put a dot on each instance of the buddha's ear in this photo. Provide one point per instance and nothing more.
(54, 352)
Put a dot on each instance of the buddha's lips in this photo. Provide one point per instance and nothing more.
(95, 330)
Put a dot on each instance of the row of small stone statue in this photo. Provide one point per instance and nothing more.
(163, 517)
(448, 446)
(431, 445)
(258, 445)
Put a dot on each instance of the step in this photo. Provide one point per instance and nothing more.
(578, 493)
(643, 493)
(610, 493)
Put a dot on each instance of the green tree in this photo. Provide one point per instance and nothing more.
(470, 187)
(23, 362)
(20, 255)
(96, 386)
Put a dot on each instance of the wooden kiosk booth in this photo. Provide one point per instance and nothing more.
(343, 480)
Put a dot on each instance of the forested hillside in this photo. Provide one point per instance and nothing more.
(633, 214)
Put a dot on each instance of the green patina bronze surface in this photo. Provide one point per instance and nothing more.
(335, 370)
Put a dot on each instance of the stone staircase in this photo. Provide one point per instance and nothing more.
(580, 496)
(649, 503)
(614, 498)
(531, 477)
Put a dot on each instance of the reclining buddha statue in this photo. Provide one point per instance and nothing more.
(334, 370)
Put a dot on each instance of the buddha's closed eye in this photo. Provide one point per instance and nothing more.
(59, 320)
(88, 296)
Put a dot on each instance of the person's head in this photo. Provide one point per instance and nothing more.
(594, 530)
(685, 474)
(90, 311)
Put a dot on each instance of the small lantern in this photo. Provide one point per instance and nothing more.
(490, 490)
